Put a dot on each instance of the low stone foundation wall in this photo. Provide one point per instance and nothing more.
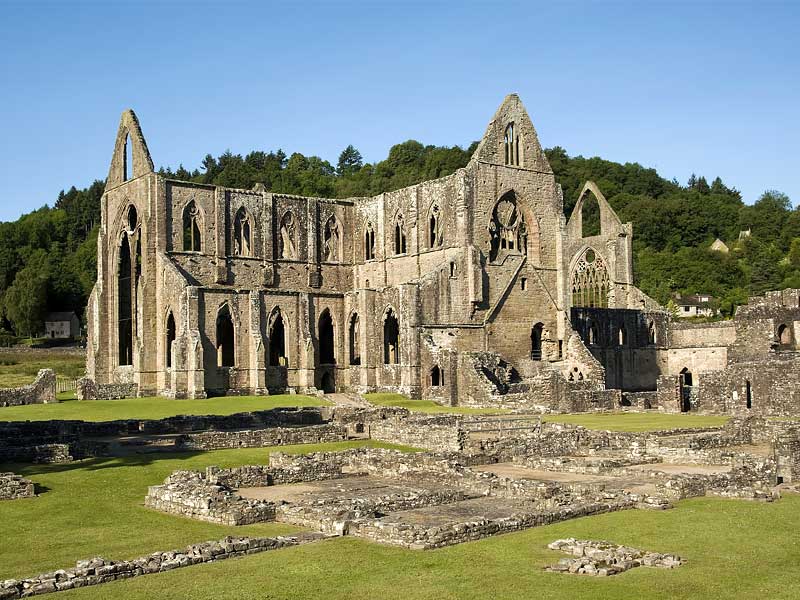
(39, 454)
(13, 486)
(440, 433)
(260, 438)
(41, 391)
(87, 389)
(98, 570)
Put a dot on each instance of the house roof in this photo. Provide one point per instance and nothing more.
(694, 300)
(60, 316)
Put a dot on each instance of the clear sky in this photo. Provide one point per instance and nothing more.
(710, 88)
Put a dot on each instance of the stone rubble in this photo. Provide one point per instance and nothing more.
(602, 558)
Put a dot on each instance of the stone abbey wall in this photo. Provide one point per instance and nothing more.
(204, 290)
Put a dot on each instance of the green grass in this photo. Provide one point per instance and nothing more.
(20, 368)
(427, 406)
(95, 507)
(625, 421)
(152, 408)
(734, 550)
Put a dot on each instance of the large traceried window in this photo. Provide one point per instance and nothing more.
(590, 283)
(507, 230)
(192, 219)
(242, 234)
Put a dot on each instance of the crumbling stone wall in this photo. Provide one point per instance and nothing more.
(13, 486)
(41, 391)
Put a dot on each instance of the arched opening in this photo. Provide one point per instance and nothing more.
(437, 376)
(536, 341)
(748, 393)
(277, 341)
(399, 235)
(784, 335)
(590, 282)
(242, 243)
(435, 227)
(622, 337)
(127, 167)
(651, 333)
(287, 248)
(686, 384)
(133, 218)
(125, 303)
(331, 242)
(511, 146)
(507, 229)
(326, 343)
(590, 216)
(192, 239)
(328, 383)
(391, 338)
(225, 338)
(354, 345)
(369, 242)
(170, 339)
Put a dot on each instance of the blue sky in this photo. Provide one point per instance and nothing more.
(710, 88)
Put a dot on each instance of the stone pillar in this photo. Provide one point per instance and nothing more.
(220, 235)
(312, 255)
(257, 358)
(195, 371)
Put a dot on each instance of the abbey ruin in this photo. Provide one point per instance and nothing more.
(473, 289)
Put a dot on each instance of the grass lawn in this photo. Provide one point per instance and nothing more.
(428, 406)
(20, 368)
(734, 549)
(152, 408)
(625, 421)
(96, 507)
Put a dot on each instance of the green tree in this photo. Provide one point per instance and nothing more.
(350, 161)
(25, 301)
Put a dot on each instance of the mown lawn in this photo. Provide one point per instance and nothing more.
(625, 421)
(427, 406)
(20, 368)
(152, 408)
(96, 507)
(734, 549)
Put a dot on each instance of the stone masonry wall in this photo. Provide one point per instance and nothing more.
(41, 391)
(13, 486)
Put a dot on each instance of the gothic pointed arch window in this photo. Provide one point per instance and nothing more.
(332, 241)
(589, 281)
(354, 340)
(192, 226)
(507, 230)
(435, 227)
(369, 241)
(287, 240)
(225, 338)
(399, 234)
(171, 331)
(326, 336)
(277, 340)
(511, 146)
(133, 218)
(391, 338)
(125, 302)
(242, 234)
(127, 166)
